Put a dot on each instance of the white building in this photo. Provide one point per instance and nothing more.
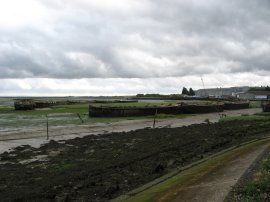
(255, 95)
(221, 92)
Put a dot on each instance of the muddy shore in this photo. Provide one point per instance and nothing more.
(99, 168)
(37, 136)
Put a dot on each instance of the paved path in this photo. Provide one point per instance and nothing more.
(215, 184)
(37, 136)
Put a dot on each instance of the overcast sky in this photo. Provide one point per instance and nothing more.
(109, 47)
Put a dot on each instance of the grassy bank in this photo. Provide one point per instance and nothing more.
(255, 104)
(257, 187)
(165, 189)
(263, 116)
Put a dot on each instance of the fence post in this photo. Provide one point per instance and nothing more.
(154, 123)
(80, 117)
(47, 126)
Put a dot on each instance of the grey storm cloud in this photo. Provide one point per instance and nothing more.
(138, 39)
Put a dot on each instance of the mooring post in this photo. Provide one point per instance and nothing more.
(154, 123)
(80, 117)
(47, 127)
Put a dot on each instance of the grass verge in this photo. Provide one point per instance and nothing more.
(263, 116)
(164, 190)
(258, 188)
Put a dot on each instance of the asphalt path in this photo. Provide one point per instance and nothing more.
(215, 184)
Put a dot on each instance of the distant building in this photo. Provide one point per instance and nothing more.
(244, 92)
(222, 92)
(255, 95)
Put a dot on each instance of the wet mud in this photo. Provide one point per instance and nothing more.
(102, 167)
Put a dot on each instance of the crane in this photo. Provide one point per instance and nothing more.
(202, 82)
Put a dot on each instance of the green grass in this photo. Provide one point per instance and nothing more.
(63, 115)
(151, 104)
(263, 114)
(244, 117)
(255, 104)
(58, 115)
(115, 119)
(135, 104)
(259, 188)
(6, 109)
(164, 190)
(67, 114)
(77, 108)
(61, 167)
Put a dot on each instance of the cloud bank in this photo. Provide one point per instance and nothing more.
(127, 39)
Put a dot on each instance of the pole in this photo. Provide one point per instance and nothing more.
(80, 117)
(154, 123)
(47, 126)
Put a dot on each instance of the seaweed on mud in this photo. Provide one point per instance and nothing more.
(98, 168)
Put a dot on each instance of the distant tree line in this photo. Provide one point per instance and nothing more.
(150, 95)
(262, 88)
(171, 96)
(190, 92)
(185, 91)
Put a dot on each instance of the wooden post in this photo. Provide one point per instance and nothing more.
(80, 117)
(47, 126)
(154, 123)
